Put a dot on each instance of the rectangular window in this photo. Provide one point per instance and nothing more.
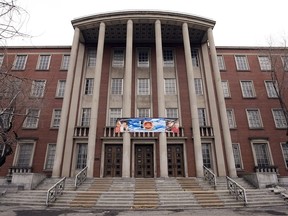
(247, 88)
(91, 57)
(221, 62)
(265, 63)
(207, 155)
(143, 58)
(114, 114)
(85, 117)
(56, 118)
(285, 153)
(143, 87)
(172, 112)
(279, 118)
(225, 88)
(254, 118)
(81, 155)
(285, 62)
(262, 155)
(170, 86)
(198, 86)
(50, 156)
(117, 86)
(271, 87)
(143, 112)
(38, 88)
(231, 118)
(1, 60)
(32, 118)
(118, 58)
(43, 62)
(242, 63)
(19, 62)
(89, 85)
(195, 57)
(24, 156)
(237, 155)
(168, 57)
(202, 117)
(65, 62)
(60, 88)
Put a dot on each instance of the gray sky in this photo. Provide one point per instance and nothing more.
(238, 23)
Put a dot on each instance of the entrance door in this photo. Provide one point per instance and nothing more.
(113, 161)
(175, 160)
(144, 166)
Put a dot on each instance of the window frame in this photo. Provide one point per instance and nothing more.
(49, 158)
(143, 88)
(33, 123)
(271, 93)
(22, 63)
(172, 112)
(242, 63)
(221, 63)
(282, 122)
(143, 61)
(85, 117)
(65, 62)
(239, 155)
(60, 91)
(91, 57)
(56, 118)
(18, 151)
(246, 91)
(114, 116)
(146, 110)
(118, 61)
(231, 119)
(226, 88)
(116, 86)
(168, 57)
(250, 124)
(170, 86)
(284, 153)
(267, 149)
(43, 64)
(89, 86)
(202, 117)
(264, 63)
(37, 90)
(198, 83)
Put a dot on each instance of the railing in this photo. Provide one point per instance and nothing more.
(81, 177)
(209, 176)
(236, 190)
(81, 131)
(55, 191)
(266, 169)
(20, 170)
(206, 131)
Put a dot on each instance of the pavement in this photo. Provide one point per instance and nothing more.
(30, 211)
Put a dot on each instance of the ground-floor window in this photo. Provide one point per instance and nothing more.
(261, 154)
(207, 155)
(285, 153)
(237, 156)
(81, 155)
(24, 154)
(50, 155)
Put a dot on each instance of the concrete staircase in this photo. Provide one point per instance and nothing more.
(131, 193)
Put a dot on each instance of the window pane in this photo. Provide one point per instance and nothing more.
(20, 62)
(206, 153)
(285, 153)
(168, 58)
(65, 62)
(32, 118)
(254, 119)
(261, 153)
(25, 153)
(89, 84)
(38, 88)
(170, 86)
(202, 117)
(270, 88)
(279, 118)
(265, 63)
(115, 113)
(143, 87)
(50, 156)
(118, 58)
(81, 156)
(117, 86)
(91, 58)
(61, 88)
(225, 88)
(56, 118)
(143, 58)
(43, 62)
(144, 113)
(198, 86)
(285, 62)
(195, 58)
(172, 113)
(241, 63)
(237, 156)
(221, 63)
(231, 118)
(86, 114)
(247, 89)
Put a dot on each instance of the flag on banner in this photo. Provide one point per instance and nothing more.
(147, 125)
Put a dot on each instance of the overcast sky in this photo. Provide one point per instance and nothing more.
(238, 23)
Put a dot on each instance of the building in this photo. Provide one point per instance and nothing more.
(150, 64)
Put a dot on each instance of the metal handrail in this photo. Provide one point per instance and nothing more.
(81, 177)
(55, 191)
(236, 190)
(209, 176)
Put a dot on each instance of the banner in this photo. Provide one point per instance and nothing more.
(147, 125)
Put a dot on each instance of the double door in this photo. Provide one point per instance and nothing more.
(144, 161)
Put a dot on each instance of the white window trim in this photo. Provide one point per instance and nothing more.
(58, 89)
(228, 88)
(267, 91)
(261, 66)
(261, 141)
(238, 66)
(222, 61)
(25, 121)
(241, 161)
(273, 114)
(46, 156)
(34, 86)
(24, 65)
(260, 118)
(17, 152)
(39, 61)
(62, 62)
(53, 117)
(253, 89)
(281, 145)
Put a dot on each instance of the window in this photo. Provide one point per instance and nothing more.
(117, 86)
(60, 88)
(231, 118)
(247, 88)
(221, 63)
(237, 155)
(6, 117)
(1, 60)
(285, 153)
(56, 118)
(143, 58)
(195, 58)
(43, 62)
(19, 62)
(261, 154)
(50, 156)
(89, 84)
(38, 88)
(198, 86)
(65, 62)
(143, 112)
(202, 117)
(118, 58)
(168, 58)
(265, 63)
(225, 88)
(270, 89)
(86, 114)
(285, 62)
(114, 114)
(24, 154)
(207, 155)
(143, 87)
(170, 86)
(241, 63)
(279, 118)
(172, 112)
(254, 118)
(91, 58)
(81, 155)
(32, 118)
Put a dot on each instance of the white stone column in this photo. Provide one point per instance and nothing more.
(95, 100)
(193, 103)
(222, 107)
(161, 100)
(127, 99)
(57, 167)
